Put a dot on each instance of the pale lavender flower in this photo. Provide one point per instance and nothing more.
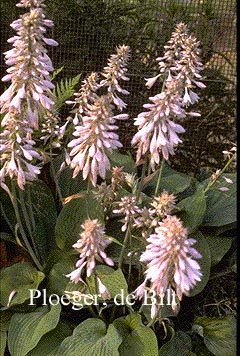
(145, 221)
(16, 148)
(181, 61)
(29, 94)
(102, 289)
(129, 208)
(156, 131)
(95, 138)
(30, 66)
(85, 96)
(91, 247)
(170, 260)
(180, 69)
(115, 71)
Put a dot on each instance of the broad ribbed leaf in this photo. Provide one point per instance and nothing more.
(113, 280)
(219, 334)
(219, 245)
(91, 338)
(26, 330)
(138, 339)
(50, 342)
(66, 185)
(180, 344)
(123, 160)
(222, 206)
(56, 279)
(19, 277)
(73, 215)
(172, 181)
(194, 208)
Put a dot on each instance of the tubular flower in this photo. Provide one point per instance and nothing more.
(128, 207)
(91, 246)
(85, 96)
(29, 94)
(170, 260)
(156, 131)
(94, 139)
(16, 147)
(181, 61)
(180, 68)
(115, 71)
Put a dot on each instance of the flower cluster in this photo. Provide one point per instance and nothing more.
(115, 70)
(129, 208)
(95, 135)
(91, 246)
(179, 67)
(170, 260)
(29, 94)
(149, 218)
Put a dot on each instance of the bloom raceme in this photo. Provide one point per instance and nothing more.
(85, 96)
(30, 65)
(95, 138)
(156, 131)
(129, 208)
(29, 94)
(171, 260)
(115, 71)
(95, 121)
(180, 69)
(91, 247)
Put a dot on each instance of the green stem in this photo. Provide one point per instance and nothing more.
(211, 183)
(127, 235)
(24, 237)
(28, 222)
(140, 186)
(159, 177)
(56, 183)
(151, 322)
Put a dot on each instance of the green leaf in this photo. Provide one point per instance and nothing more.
(7, 237)
(222, 206)
(26, 330)
(64, 90)
(19, 277)
(5, 317)
(219, 245)
(205, 262)
(63, 178)
(50, 342)
(137, 339)
(113, 280)
(179, 345)
(193, 209)
(91, 338)
(40, 200)
(56, 279)
(123, 160)
(73, 215)
(219, 334)
(3, 342)
(172, 181)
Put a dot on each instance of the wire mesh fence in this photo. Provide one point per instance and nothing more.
(88, 32)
